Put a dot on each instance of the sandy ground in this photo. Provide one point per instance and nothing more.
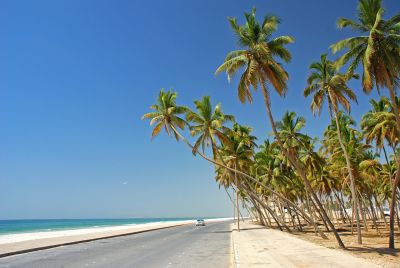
(29, 241)
(256, 246)
(374, 247)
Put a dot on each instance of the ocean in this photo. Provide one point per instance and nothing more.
(28, 226)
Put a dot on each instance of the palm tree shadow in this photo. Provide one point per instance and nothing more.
(253, 228)
(235, 230)
(380, 251)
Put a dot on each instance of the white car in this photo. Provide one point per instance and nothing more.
(386, 212)
(200, 222)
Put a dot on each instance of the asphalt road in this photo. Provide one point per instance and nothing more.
(184, 246)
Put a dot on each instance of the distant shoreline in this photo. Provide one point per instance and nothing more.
(23, 226)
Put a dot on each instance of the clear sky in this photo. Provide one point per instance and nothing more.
(76, 77)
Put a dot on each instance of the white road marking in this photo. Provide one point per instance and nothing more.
(237, 259)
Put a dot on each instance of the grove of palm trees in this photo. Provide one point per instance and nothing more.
(343, 183)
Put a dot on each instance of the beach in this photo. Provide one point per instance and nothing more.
(11, 244)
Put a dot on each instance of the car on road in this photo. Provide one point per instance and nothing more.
(386, 212)
(200, 222)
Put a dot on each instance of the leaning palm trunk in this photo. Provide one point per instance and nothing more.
(235, 171)
(302, 213)
(374, 215)
(247, 188)
(380, 210)
(297, 166)
(233, 203)
(260, 217)
(397, 178)
(362, 211)
(254, 180)
(352, 182)
(237, 201)
(342, 208)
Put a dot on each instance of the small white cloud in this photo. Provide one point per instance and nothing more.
(125, 183)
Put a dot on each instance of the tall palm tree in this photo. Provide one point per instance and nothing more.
(167, 114)
(378, 50)
(258, 57)
(328, 85)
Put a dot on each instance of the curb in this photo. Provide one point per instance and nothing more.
(235, 254)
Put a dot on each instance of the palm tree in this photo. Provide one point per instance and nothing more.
(238, 153)
(378, 52)
(379, 124)
(327, 84)
(167, 114)
(258, 57)
(289, 133)
(209, 125)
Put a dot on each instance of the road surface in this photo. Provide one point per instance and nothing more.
(183, 246)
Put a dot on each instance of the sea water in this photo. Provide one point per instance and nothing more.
(41, 225)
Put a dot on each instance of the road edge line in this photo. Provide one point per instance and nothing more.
(236, 259)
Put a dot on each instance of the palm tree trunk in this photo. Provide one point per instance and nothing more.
(374, 215)
(388, 163)
(398, 219)
(352, 181)
(238, 211)
(362, 211)
(299, 222)
(237, 204)
(298, 167)
(390, 172)
(333, 207)
(274, 216)
(320, 215)
(280, 210)
(397, 178)
(267, 217)
(233, 202)
(310, 209)
(380, 209)
(261, 215)
(341, 212)
(342, 208)
(251, 212)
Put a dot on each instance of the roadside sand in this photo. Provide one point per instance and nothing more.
(20, 243)
(256, 246)
(374, 248)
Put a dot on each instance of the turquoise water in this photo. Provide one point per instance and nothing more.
(25, 226)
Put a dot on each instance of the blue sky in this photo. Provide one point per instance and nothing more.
(76, 77)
